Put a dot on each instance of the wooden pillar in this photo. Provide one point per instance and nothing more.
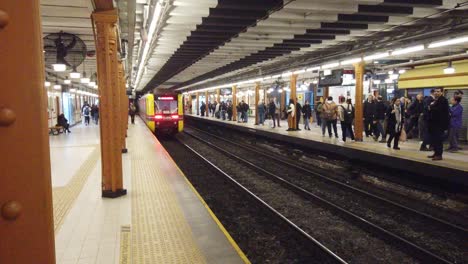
(206, 103)
(26, 215)
(292, 86)
(108, 72)
(198, 104)
(358, 120)
(234, 103)
(218, 96)
(257, 101)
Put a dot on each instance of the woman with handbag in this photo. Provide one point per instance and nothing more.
(395, 123)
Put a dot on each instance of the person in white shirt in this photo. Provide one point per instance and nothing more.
(291, 112)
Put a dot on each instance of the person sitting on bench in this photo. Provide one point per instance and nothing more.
(63, 122)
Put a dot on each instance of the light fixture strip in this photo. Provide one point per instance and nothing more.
(330, 65)
(377, 56)
(351, 61)
(408, 50)
(448, 42)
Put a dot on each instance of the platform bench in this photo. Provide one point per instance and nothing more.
(55, 130)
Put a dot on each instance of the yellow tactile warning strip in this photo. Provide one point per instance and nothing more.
(125, 244)
(220, 225)
(65, 196)
(160, 233)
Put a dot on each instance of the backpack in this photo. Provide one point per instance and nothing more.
(328, 112)
(320, 108)
(348, 114)
(86, 111)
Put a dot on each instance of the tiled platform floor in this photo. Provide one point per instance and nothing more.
(409, 149)
(168, 223)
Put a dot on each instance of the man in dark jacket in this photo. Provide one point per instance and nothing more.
(438, 122)
(202, 108)
(380, 110)
(369, 115)
(415, 110)
(298, 113)
(272, 111)
(426, 137)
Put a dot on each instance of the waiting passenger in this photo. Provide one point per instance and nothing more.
(307, 110)
(395, 123)
(298, 114)
(63, 122)
(245, 111)
(456, 113)
(223, 109)
(318, 111)
(369, 115)
(132, 112)
(380, 111)
(272, 112)
(229, 110)
(217, 110)
(277, 111)
(346, 116)
(202, 108)
(329, 116)
(426, 136)
(291, 112)
(438, 122)
(415, 112)
(261, 113)
(239, 112)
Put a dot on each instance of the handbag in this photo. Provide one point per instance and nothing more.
(403, 137)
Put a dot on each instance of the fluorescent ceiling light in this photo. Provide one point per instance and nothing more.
(66, 81)
(390, 72)
(299, 71)
(408, 50)
(47, 84)
(315, 81)
(57, 87)
(388, 81)
(267, 78)
(74, 74)
(327, 72)
(394, 76)
(286, 74)
(91, 84)
(401, 71)
(72, 90)
(351, 61)
(330, 65)
(59, 67)
(376, 81)
(316, 68)
(449, 69)
(448, 42)
(84, 80)
(377, 56)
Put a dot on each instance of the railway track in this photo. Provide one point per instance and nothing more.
(416, 232)
(315, 252)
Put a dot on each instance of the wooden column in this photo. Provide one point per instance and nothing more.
(218, 96)
(358, 119)
(111, 133)
(257, 101)
(198, 104)
(26, 215)
(206, 103)
(234, 103)
(292, 86)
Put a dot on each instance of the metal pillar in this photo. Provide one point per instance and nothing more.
(26, 215)
(111, 131)
(292, 86)
(234, 103)
(358, 119)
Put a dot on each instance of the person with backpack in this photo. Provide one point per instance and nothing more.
(307, 110)
(291, 112)
(132, 112)
(329, 115)
(87, 114)
(318, 111)
(346, 116)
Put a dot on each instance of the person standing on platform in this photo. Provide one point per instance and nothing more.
(318, 111)
(330, 114)
(96, 114)
(369, 115)
(277, 111)
(229, 110)
(202, 108)
(272, 112)
(307, 110)
(239, 112)
(291, 112)
(415, 111)
(380, 111)
(245, 111)
(132, 112)
(395, 123)
(346, 116)
(425, 124)
(456, 114)
(223, 108)
(86, 113)
(439, 120)
(298, 114)
(261, 113)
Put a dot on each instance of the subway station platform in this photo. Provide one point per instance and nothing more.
(161, 220)
(452, 169)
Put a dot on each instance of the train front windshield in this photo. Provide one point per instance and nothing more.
(165, 107)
